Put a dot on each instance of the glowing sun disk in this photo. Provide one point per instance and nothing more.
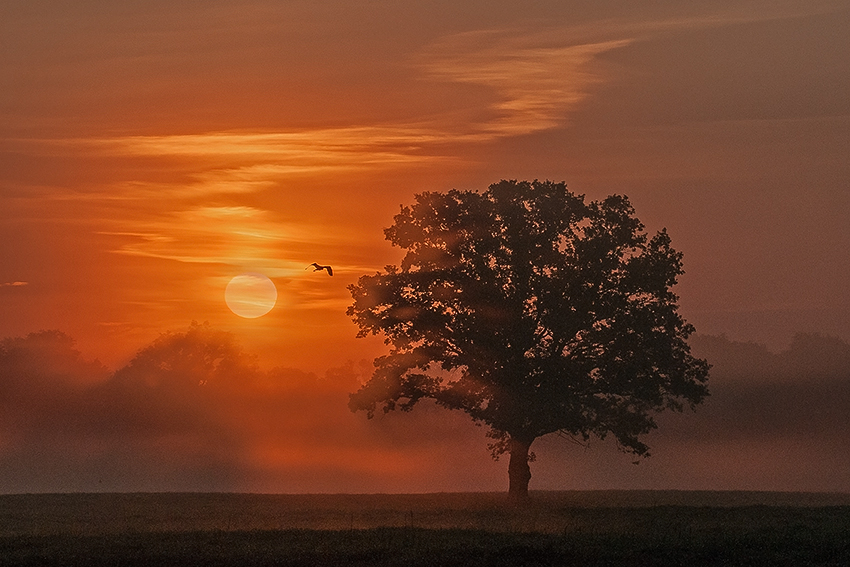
(250, 295)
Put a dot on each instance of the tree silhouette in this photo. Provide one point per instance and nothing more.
(44, 381)
(532, 311)
(202, 356)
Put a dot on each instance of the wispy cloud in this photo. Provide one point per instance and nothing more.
(228, 235)
(215, 164)
(245, 155)
(319, 146)
(535, 86)
(539, 77)
(536, 80)
(155, 210)
(216, 199)
(13, 284)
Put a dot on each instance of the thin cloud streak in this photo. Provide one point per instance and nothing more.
(536, 86)
(234, 235)
(296, 151)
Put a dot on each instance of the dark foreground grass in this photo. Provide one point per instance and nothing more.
(417, 546)
(689, 529)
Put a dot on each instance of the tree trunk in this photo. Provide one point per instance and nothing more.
(519, 472)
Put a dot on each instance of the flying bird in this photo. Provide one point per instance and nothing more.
(319, 268)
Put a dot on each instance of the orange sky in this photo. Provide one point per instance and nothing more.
(152, 150)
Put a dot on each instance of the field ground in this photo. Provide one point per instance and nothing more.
(556, 528)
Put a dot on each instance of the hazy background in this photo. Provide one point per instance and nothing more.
(152, 150)
(193, 411)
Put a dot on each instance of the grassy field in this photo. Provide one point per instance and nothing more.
(556, 528)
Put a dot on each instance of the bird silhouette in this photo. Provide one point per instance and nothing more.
(319, 268)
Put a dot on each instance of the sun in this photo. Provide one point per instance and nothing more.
(250, 295)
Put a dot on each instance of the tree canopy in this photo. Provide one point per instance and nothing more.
(534, 312)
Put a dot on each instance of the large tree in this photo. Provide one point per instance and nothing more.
(534, 312)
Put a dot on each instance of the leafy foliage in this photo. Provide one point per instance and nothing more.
(531, 310)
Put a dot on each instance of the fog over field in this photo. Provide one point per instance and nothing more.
(173, 421)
